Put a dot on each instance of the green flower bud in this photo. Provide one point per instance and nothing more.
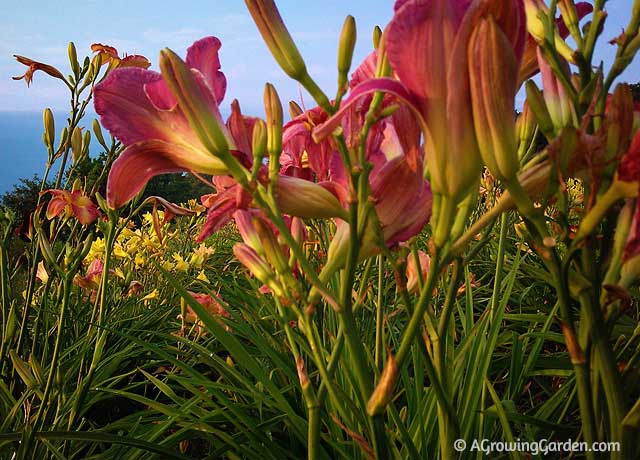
(275, 34)
(97, 131)
(539, 108)
(259, 142)
(49, 128)
(73, 59)
(76, 143)
(345, 50)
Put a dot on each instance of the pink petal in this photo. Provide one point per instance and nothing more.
(160, 95)
(83, 208)
(125, 109)
(419, 39)
(143, 160)
(222, 209)
(365, 71)
(402, 211)
(203, 55)
(55, 207)
(386, 85)
(241, 128)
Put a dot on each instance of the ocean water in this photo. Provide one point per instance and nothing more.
(22, 153)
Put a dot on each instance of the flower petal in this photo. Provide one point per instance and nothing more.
(160, 95)
(419, 39)
(135, 60)
(126, 110)
(402, 210)
(143, 160)
(83, 208)
(385, 85)
(203, 55)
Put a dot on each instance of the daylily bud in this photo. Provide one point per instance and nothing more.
(413, 272)
(76, 143)
(294, 109)
(558, 102)
(539, 109)
(576, 355)
(493, 73)
(97, 131)
(525, 129)
(302, 373)
(272, 249)
(247, 230)
(624, 185)
(86, 141)
(275, 34)
(345, 50)
(384, 390)
(273, 110)
(49, 128)
(534, 9)
(302, 198)
(194, 101)
(257, 266)
(94, 68)
(298, 230)
(73, 59)
(64, 137)
(570, 17)
(11, 327)
(377, 35)
(620, 121)
(259, 142)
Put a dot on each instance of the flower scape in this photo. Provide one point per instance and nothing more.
(418, 259)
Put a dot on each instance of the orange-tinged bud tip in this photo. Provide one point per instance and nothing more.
(384, 390)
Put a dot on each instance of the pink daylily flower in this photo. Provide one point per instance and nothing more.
(140, 109)
(91, 280)
(72, 203)
(137, 106)
(427, 43)
(211, 305)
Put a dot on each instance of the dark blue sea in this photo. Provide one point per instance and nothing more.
(22, 153)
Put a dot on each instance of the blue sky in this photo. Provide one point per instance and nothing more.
(41, 30)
